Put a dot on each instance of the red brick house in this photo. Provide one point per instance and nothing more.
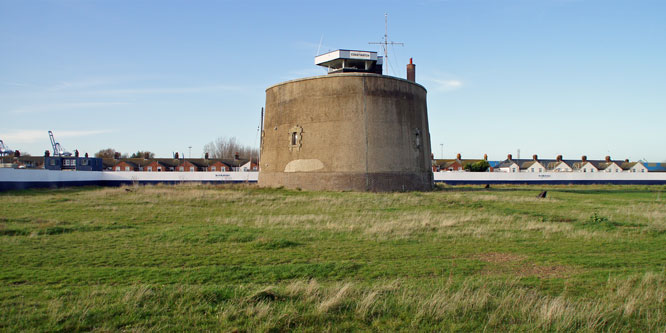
(157, 166)
(187, 166)
(218, 166)
(125, 166)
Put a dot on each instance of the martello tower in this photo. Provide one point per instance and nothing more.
(353, 129)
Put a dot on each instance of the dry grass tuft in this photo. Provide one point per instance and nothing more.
(335, 301)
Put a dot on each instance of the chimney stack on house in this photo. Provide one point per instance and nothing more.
(175, 155)
(608, 159)
(236, 156)
(583, 158)
(508, 157)
(534, 157)
(459, 157)
(626, 160)
(411, 71)
(559, 158)
(485, 157)
(206, 155)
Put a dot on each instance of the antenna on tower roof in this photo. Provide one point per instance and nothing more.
(385, 43)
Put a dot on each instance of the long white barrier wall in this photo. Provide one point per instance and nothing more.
(29, 178)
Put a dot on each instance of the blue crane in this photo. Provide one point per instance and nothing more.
(57, 148)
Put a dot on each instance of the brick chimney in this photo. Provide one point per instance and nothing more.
(583, 158)
(626, 160)
(509, 157)
(607, 158)
(534, 157)
(236, 156)
(458, 157)
(485, 157)
(559, 158)
(206, 156)
(411, 71)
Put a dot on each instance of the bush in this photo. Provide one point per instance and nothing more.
(480, 166)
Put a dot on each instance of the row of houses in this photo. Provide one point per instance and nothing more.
(184, 164)
(544, 165)
(238, 164)
(129, 164)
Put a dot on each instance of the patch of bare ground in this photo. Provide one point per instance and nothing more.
(518, 265)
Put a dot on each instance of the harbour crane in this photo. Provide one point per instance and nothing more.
(57, 148)
(4, 150)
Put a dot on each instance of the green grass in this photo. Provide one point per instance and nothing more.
(223, 258)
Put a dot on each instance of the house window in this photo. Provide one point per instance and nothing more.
(591, 170)
(294, 138)
(127, 168)
(117, 168)
(212, 168)
(159, 169)
(191, 168)
(84, 161)
(532, 169)
(513, 170)
(642, 170)
(150, 169)
(182, 168)
(223, 169)
(540, 169)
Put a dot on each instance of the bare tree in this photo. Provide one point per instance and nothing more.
(109, 153)
(143, 154)
(106, 153)
(224, 147)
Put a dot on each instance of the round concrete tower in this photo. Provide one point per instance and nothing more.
(346, 131)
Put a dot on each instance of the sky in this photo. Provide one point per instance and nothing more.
(546, 77)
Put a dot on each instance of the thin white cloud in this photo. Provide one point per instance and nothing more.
(305, 72)
(175, 90)
(65, 106)
(16, 84)
(94, 82)
(29, 136)
(444, 85)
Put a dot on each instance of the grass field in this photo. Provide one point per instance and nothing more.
(224, 258)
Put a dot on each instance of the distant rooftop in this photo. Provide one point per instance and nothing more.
(340, 61)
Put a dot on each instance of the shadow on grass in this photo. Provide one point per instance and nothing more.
(606, 189)
(35, 192)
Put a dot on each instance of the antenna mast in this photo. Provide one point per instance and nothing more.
(385, 43)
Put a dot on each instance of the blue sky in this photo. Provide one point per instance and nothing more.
(548, 77)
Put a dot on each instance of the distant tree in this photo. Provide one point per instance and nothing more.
(143, 154)
(224, 147)
(480, 166)
(106, 153)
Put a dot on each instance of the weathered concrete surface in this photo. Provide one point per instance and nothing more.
(353, 131)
